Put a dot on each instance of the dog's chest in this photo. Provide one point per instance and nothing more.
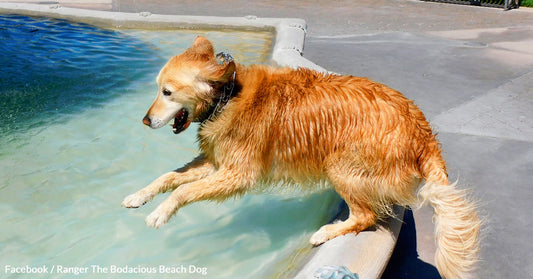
(207, 139)
(213, 141)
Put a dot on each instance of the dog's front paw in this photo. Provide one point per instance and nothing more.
(136, 200)
(158, 217)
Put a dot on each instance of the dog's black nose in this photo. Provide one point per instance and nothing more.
(147, 121)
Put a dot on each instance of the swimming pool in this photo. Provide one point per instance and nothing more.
(72, 146)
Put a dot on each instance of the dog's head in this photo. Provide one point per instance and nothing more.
(187, 85)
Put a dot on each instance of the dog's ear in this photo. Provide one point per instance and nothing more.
(200, 40)
(224, 74)
(201, 44)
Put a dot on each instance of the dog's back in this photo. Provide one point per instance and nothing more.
(299, 123)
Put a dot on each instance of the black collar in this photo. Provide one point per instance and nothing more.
(228, 91)
(223, 99)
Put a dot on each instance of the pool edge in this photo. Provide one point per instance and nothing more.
(371, 250)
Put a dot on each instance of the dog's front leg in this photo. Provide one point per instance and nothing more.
(218, 186)
(197, 169)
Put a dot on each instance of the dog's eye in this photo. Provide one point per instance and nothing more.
(166, 92)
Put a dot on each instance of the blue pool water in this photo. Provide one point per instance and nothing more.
(72, 147)
(53, 67)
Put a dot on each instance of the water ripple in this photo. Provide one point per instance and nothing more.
(53, 66)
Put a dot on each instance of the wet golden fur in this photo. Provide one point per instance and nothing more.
(298, 126)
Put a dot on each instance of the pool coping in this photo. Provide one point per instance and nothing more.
(370, 250)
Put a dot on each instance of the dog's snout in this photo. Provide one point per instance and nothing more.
(147, 121)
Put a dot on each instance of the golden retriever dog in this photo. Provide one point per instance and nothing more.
(262, 125)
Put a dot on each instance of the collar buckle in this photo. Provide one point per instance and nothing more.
(224, 57)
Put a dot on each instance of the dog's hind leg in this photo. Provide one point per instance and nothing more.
(352, 190)
(197, 169)
(220, 185)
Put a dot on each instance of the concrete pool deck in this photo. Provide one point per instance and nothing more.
(470, 70)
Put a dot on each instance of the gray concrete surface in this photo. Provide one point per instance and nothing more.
(481, 104)
(468, 68)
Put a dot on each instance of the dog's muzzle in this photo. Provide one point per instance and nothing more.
(181, 121)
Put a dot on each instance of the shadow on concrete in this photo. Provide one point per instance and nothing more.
(404, 262)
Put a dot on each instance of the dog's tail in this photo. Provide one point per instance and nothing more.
(457, 224)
